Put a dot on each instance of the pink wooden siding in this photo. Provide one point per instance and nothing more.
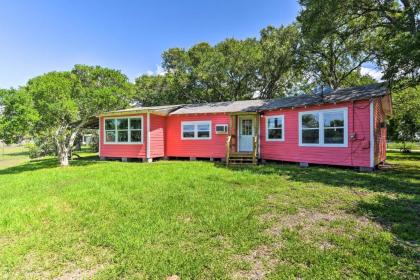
(380, 133)
(157, 136)
(356, 154)
(166, 140)
(123, 150)
(177, 147)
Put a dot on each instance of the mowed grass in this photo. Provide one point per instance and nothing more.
(408, 145)
(199, 220)
(12, 155)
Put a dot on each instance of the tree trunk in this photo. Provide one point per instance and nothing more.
(65, 144)
(64, 156)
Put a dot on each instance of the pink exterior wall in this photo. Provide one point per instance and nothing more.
(123, 150)
(166, 140)
(177, 147)
(357, 153)
(157, 136)
(380, 133)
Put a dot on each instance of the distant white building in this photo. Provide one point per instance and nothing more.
(87, 139)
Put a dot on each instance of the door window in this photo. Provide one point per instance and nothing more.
(246, 127)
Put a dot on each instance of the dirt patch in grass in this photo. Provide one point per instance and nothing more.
(306, 221)
(261, 261)
(224, 242)
(80, 273)
(312, 226)
(86, 261)
(5, 241)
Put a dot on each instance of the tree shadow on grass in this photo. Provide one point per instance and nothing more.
(47, 163)
(16, 154)
(400, 178)
(396, 207)
(398, 215)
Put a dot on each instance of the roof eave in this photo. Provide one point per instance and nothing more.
(134, 112)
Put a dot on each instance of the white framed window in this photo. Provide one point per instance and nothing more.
(198, 130)
(221, 128)
(274, 128)
(123, 130)
(325, 128)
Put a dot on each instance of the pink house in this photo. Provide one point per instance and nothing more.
(344, 127)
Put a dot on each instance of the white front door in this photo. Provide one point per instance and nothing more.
(246, 133)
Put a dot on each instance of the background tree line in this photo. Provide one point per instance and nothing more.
(277, 64)
(324, 48)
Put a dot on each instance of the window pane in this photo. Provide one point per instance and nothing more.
(275, 133)
(246, 127)
(203, 134)
(110, 136)
(122, 136)
(188, 134)
(310, 121)
(334, 119)
(310, 136)
(136, 136)
(334, 136)
(122, 123)
(275, 123)
(188, 127)
(109, 124)
(203, 127)
(135, 123)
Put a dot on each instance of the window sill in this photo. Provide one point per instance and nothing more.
(274, 140)
(324, 145)
(123, 143)
(195, 138)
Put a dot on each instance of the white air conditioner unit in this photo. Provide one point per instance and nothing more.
(221, 128)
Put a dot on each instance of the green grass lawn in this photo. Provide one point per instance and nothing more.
(12, 155)
(200, 220)
(409, 145)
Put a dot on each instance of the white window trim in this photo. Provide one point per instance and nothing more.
(196, 123)
(372, 133)
(129, 134)
(221, 132)
(282, 128)
(321, 128)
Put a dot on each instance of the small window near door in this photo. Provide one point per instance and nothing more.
(275, 128)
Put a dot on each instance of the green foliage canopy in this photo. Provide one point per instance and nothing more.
(357, 31)
(230, 70)
(57, 105)
(405, 123)
(17, 116)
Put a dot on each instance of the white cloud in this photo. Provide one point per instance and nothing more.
(159, 71)
(374, 73)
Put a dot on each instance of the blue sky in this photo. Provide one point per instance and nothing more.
(42, 36)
